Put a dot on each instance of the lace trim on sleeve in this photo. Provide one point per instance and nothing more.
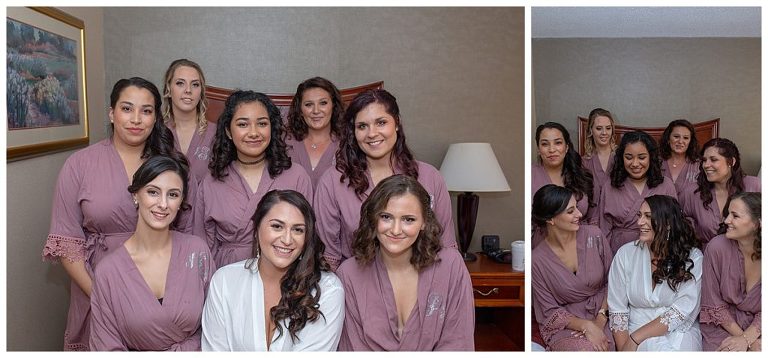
(674, 320)
(554, 324)
(333, 262)
(717, 315)
(619, 321)
(73, 248)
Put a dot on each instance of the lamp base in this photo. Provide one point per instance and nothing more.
(469, 257)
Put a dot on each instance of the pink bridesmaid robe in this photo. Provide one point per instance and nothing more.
(224, 209)
(618, 207)
(338, 210)
(724, 295)
(200, 150)
(443, 318)
(92, 214)
(299, 155)
(706, 221)
(128, 317)
(686, 177)
(560, 294)
(599, 176)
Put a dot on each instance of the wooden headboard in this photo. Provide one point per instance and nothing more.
(218, 95)
(704, 131)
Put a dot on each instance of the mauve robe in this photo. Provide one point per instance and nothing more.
(127, 315)
(560, 294)
(618, 207)
(599, 176)
(338, 210)
(225, 207)
(540, 178)
(632, 302)
(233, 318)
(687, 176)
(298, 154)
(443, 318)
(706, 221)
(724, 295)
(200, 150)
(92, 213)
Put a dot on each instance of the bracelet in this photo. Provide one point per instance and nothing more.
(633, 340)
(603, 312)
(749, 345)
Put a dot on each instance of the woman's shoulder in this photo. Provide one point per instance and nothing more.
(90, 153)
(193, 242)
(752, 183)
(719, 242)
(590, 230)
(330, 282)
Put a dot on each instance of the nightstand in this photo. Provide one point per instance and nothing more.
(499, 305)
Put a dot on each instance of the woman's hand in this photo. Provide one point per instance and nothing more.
(756, 346)
(733, 344)
(594, 335)
(629, 345)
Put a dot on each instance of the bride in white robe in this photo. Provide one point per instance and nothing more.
(653, 317)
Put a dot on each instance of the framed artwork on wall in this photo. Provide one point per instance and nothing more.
(45, 90)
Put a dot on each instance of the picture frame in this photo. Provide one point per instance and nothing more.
(47, 109)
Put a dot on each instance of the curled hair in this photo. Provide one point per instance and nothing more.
(692, 153)
(735, 183)
(160, 140)
(351, 161)
(202, 106)
(160, 164)
(366, 244)
(549, 201)
(224, 150)
(297, 126)
(673, 242)
(589, 141)
(654, 174)
(753, 202)
(574, 174)
(299, 288)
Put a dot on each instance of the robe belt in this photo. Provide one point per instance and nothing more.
(98, 240)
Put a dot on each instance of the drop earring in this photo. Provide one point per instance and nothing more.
(135, 203)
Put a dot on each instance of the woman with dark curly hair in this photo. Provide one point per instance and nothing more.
(183, 111)
(404, 292)
(249, 159)
(679, 151)
(636, 175)
(569, 275)
(720, 177)
(92, 213)
(314, 126)
(599, 146)
(282, 298)
(148, 294)
(732, 280)
(372, 148)
(560, 164)
(654, 284)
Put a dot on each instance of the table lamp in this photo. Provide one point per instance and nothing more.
(470, 168)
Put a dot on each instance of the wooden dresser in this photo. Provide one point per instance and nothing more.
(499, 305)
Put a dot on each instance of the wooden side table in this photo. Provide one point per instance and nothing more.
(499, 305)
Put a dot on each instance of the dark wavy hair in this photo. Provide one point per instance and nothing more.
(589, 140)
(299, 288)
(753, 202)
(202, 106)
(160, 140)
(692, 153)
(366, 243)
(574, 174)
(735, 183)
(351, 161)
(654, 174)
(157, 165)
(224, 150)
(673, 242)
(297, 127)
(548, 202)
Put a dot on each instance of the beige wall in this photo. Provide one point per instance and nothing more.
(651, 81)
(458, 74)
(37, 292)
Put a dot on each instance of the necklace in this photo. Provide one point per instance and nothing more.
(257, 161)
(674, 165)
(314, 146)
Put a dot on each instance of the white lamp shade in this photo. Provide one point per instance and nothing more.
(472, 167)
